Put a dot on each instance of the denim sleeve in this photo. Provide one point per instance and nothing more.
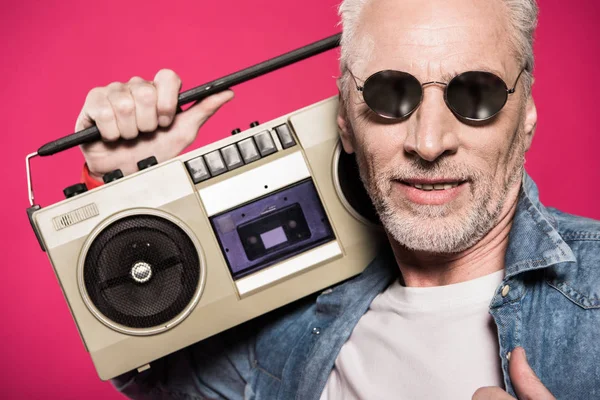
(216, 368)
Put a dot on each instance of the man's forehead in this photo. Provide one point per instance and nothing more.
(437, 34)
(434, 14)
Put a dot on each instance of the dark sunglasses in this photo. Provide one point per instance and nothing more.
(472, 95)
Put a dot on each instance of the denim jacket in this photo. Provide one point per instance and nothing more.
(548, 302)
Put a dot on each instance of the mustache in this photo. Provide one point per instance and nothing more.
(419, 168)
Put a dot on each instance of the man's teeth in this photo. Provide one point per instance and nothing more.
(437, 186)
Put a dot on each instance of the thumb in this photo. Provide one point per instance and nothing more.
(194, 117)
(525, 382)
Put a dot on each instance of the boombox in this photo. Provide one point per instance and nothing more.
(182, 250)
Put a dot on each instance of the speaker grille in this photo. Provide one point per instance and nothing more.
(352, 188)
(141, 271)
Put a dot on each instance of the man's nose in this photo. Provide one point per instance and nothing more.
(432, 129)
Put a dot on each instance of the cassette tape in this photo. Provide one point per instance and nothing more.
(182, 250)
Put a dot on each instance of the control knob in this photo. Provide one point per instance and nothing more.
(74, 190)
(112, 176)
(147, 163)
(253, 124)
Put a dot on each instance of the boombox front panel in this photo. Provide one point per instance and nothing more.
(331, 247)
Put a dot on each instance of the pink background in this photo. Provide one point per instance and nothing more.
(53, 52)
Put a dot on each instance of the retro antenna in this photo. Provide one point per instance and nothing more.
(92, 134)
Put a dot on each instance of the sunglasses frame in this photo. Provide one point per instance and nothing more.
(508, 92)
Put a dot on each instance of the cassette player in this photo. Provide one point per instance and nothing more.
(158, 260)
(181, 250)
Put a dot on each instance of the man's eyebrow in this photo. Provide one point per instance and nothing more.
(447, 76)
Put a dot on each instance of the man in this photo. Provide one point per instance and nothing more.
(486, 272)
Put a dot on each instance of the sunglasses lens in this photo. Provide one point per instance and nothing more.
(392, 94)
(476, 95)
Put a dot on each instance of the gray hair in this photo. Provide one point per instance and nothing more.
(523, 17)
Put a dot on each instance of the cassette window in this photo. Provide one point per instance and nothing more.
(274, 231)
(272, 228)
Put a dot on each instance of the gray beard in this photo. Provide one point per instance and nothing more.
(439, 228)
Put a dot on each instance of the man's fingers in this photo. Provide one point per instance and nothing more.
(123, 106)
(524, 380)
(491, 393)
(167, 85)
(98, 110)
(144, 97)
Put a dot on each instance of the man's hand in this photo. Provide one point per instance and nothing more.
(124, 110)
(527, 385)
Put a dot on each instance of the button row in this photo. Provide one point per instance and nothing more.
(230, 157)
(216, 162)
(235, 155)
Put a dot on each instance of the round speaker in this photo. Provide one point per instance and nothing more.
(142, 273)
(350, 188)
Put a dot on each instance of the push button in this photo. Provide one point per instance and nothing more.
(285, 136)
(265, 143)
(197, 169)
(215, 163)
(232, 157)
(248, 150)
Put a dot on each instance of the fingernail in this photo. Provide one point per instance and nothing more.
(163, 120)
(518, 349)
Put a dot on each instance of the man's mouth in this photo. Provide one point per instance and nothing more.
(431, 191)
(432, 184)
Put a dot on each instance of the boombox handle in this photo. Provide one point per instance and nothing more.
(92, 133)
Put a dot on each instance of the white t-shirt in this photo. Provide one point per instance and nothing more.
(421, 343)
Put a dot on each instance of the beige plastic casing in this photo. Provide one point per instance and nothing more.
(167, 190)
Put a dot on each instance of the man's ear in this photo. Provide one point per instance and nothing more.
(530, 121)
(346, 134)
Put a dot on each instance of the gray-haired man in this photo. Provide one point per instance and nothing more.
(478, 269)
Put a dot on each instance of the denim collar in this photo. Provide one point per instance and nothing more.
(534, 241)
